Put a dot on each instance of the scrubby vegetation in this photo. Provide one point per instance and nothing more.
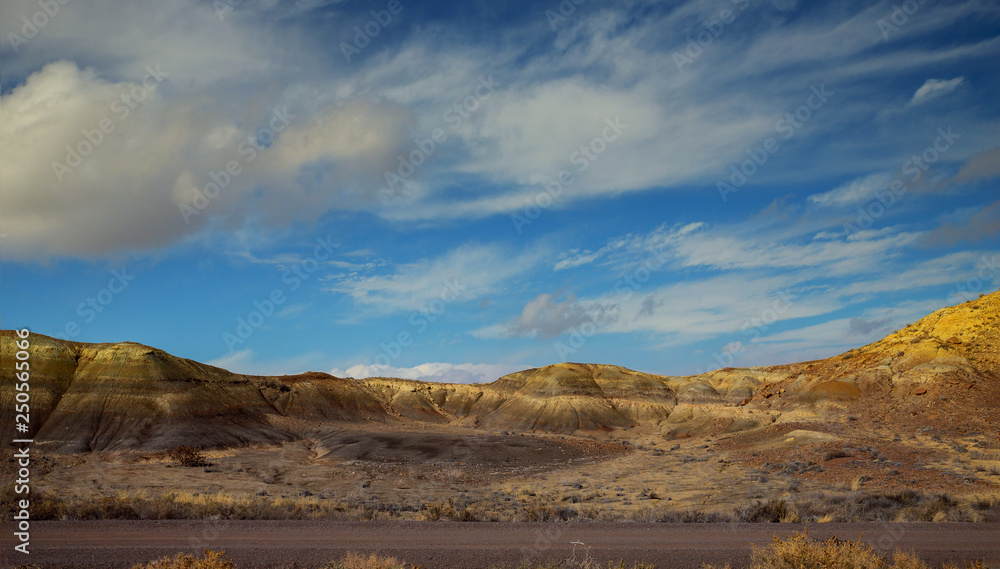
(187, 456)
(796, 552)
(820, 506)
(371, 561)
(854, 506)
(208, 560)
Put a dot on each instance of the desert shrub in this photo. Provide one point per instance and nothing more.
(107, 508)
(798, 467)
(941, 508)
(44, 506)
(8, 500)
(903, 505)
(798, 552)
(837, 453)
(208, 560)
(358, 561)
(536, 512)
(272, 383)
(981, 503)
(772, 511)
(188, 456)
(702, 517)
(447, 511)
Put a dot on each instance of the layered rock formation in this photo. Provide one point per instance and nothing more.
(94, 397)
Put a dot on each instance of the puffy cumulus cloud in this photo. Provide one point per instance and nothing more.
(121, 37)
(342, 148)
(935, 88)
(547, 316)
(93, 167)
(434, 371)
(91, 204)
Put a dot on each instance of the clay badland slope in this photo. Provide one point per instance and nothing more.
(943, 369)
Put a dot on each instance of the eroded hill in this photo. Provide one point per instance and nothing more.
(944, 369)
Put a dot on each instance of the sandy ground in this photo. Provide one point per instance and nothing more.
(420, 466)
(455, 545)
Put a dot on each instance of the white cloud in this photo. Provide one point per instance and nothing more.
(756, 266)
(739, 249)
(691, 311)
(625, 251)
(934, 89)
(195, 46)
(434, 371)
(546, 315)
(465, 273)
(111, 198)
(950, 268)
(574, 258)
(357, 133)
(855, 191)
(126, 191)
(684, 126)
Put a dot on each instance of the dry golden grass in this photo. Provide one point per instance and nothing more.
(857, 483)
(796, 552)
(208, 560)
(799, 552)
(860, 506)
(359, 561)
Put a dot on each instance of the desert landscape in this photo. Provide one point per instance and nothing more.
(901, 430)
(430, 284)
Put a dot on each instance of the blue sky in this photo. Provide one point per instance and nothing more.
(458, 191)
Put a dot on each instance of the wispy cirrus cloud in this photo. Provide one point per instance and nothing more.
(465, 273)
(935, 89)
(855, 191)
